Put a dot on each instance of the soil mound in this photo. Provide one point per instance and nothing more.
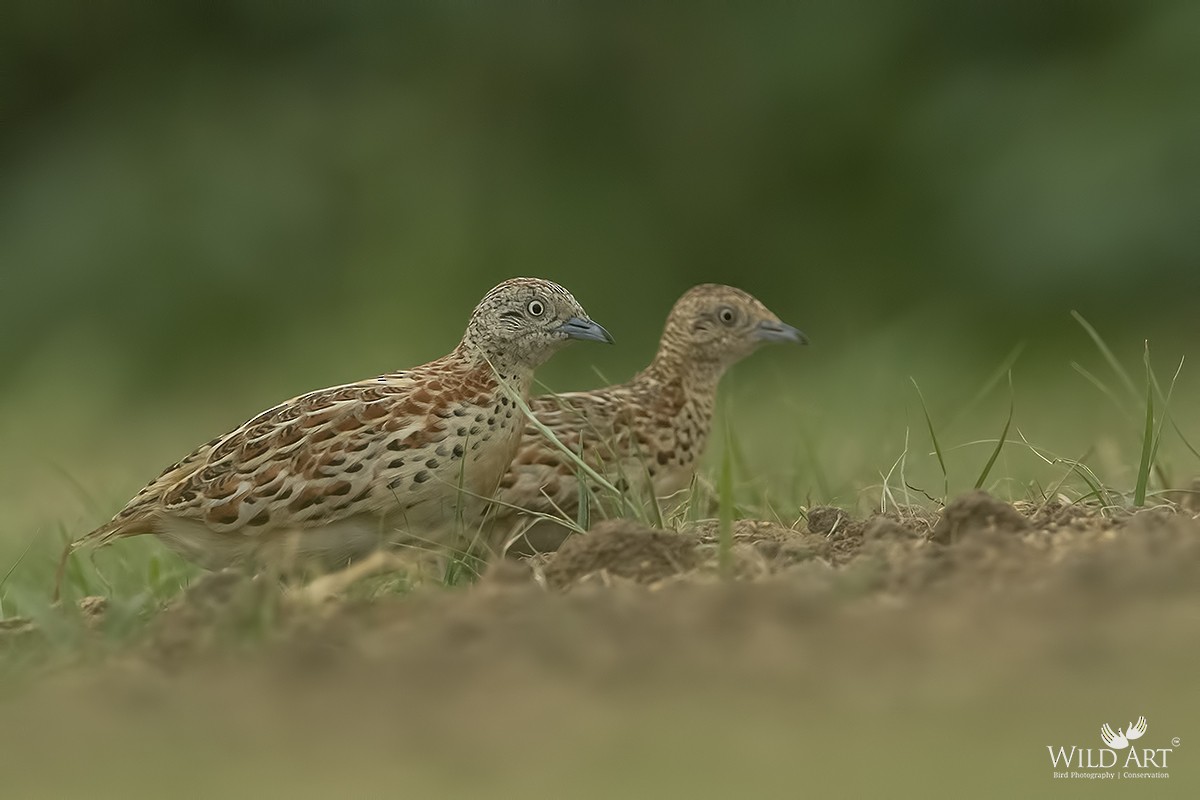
(624, 549)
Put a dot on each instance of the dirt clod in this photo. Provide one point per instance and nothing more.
(624, 549)
(826, 520)
(977, 512)
(885, 528)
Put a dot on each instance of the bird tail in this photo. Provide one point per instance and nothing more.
(113, 529)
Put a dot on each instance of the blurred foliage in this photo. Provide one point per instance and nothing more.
(187, 181)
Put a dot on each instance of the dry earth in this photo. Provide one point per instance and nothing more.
(916, 653)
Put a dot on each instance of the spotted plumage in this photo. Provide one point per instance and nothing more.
(645, 436)
(401, 458)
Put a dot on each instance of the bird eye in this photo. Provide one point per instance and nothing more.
(536, 308)
(727, 315)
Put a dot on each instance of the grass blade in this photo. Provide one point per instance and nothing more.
(1097, 488)
(1168, 416)
(1099, 384)
(1143, 477)
(997, 375)
(1166, 413)
(987, 468)
(1182, 438)
(937, 447)
(579, 463)
(1108, 355)
(17, 563)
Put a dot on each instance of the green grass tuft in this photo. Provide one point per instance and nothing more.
(1148, 439)
(987, 468)
(937, 447)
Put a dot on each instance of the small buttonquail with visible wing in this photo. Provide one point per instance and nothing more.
(399, 459)
(645, 435)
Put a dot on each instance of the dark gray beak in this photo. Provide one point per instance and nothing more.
(579, 328)
(770, 331)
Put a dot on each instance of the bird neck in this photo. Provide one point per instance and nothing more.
(472, 358)
(698, 379)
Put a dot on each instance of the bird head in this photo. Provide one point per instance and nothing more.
(714, 326)
(523, 321)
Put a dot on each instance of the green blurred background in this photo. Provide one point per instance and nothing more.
(207, 209)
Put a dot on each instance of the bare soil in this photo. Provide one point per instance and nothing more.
(913, 653)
